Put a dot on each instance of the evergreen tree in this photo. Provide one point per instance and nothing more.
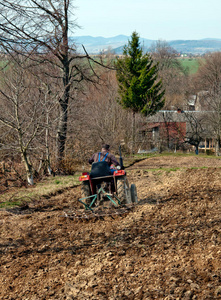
(137, 77)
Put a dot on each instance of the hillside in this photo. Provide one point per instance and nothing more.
(167, 247)
(96, 45)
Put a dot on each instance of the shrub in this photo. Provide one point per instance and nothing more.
(209, 152)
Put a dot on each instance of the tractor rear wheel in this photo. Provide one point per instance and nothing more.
(123, 191)
(133, 191)
(85, 190)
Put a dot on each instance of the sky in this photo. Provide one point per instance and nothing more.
(151, 19)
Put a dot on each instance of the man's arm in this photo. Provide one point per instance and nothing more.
(114, 160)
(91, 160)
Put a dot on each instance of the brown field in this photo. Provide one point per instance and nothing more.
(167, 247)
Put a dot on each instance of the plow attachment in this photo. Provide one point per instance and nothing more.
(97, 213)
(89, 201)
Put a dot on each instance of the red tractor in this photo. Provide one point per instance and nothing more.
(100, 187)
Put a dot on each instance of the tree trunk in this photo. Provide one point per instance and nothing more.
(133, 132)
(47, 146)
(28, 168)
(62, 132)
(62, 125)
(197, 149)
(217, 147)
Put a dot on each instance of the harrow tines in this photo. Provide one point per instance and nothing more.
(87, 215)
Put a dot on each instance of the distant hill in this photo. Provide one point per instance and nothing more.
(96, 45)
(196, 46)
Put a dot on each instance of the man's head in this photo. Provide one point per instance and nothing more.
(105, 147)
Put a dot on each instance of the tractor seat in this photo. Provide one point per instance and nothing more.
(100, 169)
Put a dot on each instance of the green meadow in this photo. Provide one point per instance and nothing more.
(191, 65)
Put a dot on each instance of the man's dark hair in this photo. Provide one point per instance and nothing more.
(106, 146)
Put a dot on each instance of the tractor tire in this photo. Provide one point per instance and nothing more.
(85, 190)
(123, 191)
(133, 191)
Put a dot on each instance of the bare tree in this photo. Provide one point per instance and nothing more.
(175, 80)
(40, 31)
(213, 118)
(99, 119)
(49, 102)
(163, 53)
(208, 79)
(209, 73)
(197, 129)
(21, 113)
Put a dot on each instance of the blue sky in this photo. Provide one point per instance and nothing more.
(152, 19)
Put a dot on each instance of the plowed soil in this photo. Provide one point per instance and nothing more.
(167, 247)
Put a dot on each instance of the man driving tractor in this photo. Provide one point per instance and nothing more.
(105, 183)
(105, 155)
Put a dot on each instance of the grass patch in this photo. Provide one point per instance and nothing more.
(10, 204)
(173, 169)
(129, 160)
(57, 181)
(49, 186)
(177, 154)
(197, 168)
(161, 170)
(191, 65)
(168, 170)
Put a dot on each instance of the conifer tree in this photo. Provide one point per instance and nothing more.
(139, 88)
